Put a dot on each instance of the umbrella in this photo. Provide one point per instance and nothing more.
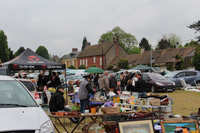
(94, 70)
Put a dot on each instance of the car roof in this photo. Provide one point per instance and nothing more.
(188, 71)
(2, 77)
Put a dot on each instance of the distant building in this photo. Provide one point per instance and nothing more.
(71, 58)
(163, 58)
(101, 55)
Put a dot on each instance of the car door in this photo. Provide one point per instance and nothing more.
(190, 77)
(178, 77)
(146, 82)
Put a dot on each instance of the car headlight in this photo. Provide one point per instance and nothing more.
(158, 83)
(47, 127)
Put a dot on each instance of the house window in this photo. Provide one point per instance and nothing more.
(100, 61)
(72, 62)
(83, 62)
(94, 59)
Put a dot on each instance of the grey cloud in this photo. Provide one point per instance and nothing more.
(61, 25)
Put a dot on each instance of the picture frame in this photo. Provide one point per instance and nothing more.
(171, 126)
(143, 126)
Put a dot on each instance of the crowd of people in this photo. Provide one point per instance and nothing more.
(106, 82)
(95, 82)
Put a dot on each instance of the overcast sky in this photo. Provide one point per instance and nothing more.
(61, 24)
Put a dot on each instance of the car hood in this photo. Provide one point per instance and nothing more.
(165, 82)
(29, 118)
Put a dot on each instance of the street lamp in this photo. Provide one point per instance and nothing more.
(151, 57)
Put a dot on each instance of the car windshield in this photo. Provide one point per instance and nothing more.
(29, 85)
(171, 74)
(13, 94)
(157, 76)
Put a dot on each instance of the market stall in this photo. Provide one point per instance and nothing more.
(29, 60)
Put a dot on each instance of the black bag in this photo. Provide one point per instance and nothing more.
(52, 106)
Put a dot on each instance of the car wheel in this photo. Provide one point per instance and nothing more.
(153, 89)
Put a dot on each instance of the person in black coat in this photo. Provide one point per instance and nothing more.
(112, 83)
(57, 101)
(41, 81)
(54, 80)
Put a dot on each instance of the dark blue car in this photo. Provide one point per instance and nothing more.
(191, 77)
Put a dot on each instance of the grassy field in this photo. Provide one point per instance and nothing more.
(185, 102)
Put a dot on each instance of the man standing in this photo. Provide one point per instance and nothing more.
(41, 81)
(106, 82)
(85, 90)
(112, 83)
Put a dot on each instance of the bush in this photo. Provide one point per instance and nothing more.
(196, 59)
(170, 67)
(72, 67)
(110, 67)
(123, 64)
(82, 67)
(179, 65)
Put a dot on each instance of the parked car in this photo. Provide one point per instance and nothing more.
(19, 112)
(155, 82)
(32, 87)
(191, 77)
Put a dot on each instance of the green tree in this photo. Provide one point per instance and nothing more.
(134, 50)
(19, 51)
(82, 67)
(144, 44)
(11, 55)
(163, 44)
(174, 40)
(123, 64)
(169, 41)
(196, 26)
(4, 53)
(42, 51)
(72, 67)
(196, 59)
(192, 43)
(126, 40)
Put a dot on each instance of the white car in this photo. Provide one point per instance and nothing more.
(38, 96)
(19, 112)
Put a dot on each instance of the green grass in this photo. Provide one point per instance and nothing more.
(185, 102)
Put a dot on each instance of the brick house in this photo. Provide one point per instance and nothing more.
(100, 55)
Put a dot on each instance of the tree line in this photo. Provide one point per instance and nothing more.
(126, 40)
(7, 54)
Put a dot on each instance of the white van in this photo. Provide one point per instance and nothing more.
(19, 112)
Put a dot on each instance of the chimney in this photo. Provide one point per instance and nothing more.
(74, 50)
